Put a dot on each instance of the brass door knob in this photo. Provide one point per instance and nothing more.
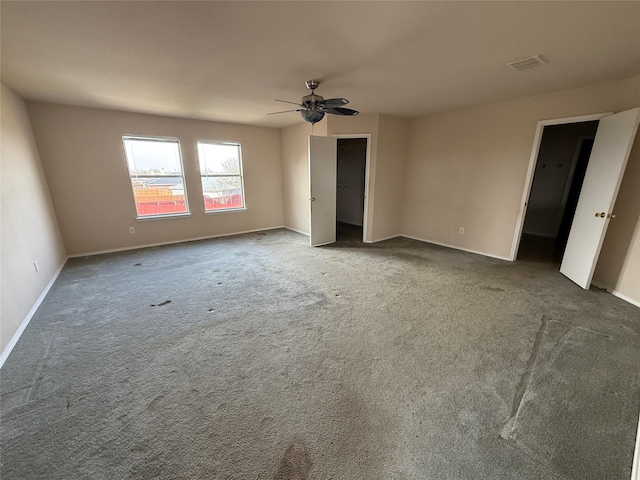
(601, 214)
(611, 215)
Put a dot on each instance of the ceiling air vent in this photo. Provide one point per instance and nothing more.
(527, 63)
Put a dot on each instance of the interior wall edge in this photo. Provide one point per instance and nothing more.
(306, 234)
(393, 152)
(390, 237)
(25, 322)
(295, 176)
(454, 247)
(624, 297)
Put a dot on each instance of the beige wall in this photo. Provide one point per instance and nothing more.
(295, 174)
(28, 225)
(393, 139)
(83, 159)
(467, 168)
(618, 268)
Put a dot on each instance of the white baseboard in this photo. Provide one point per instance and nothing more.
(484, 254)
(635, 469)
(622, 296)
(383, 239)
(18, 333)
(172, 242)
(306, 234)
(616, 293)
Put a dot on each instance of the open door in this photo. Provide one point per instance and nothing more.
(608, 160)
(322, 188)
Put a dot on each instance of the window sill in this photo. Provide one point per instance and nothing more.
(160, 217)
(228, 210)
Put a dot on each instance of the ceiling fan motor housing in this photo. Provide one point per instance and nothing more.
(312, 100)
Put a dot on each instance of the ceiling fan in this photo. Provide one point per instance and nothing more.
(313, 107)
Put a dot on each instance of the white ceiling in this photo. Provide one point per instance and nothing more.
(228, 61)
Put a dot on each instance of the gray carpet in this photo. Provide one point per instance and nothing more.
(257, 357)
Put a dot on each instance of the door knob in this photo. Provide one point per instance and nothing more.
(313, 199)
(611, 215)
(601, 214)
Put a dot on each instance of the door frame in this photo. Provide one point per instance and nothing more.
(368, 200)
(533, 160)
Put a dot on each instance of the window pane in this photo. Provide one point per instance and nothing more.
(219, 159)
(155, 168)
(153, 157)
(222, 192)
(159, 195)
(221, 173)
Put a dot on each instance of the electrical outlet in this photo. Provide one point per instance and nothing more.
(132, 230)
(461, 230)
(35, 265)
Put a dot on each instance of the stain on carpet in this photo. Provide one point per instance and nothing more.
(295, 464)
(493, 289)
(162, 304)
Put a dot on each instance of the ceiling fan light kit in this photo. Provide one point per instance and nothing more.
(314, 107)
(312, 115)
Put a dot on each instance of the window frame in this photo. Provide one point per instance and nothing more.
(133, 176)
(240, 175)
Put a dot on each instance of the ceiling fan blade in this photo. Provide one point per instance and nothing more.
(335, 102)
(285, 111)
(341, 111)
(286, 101)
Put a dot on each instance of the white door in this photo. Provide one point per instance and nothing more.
(608, 160)
(322, 188)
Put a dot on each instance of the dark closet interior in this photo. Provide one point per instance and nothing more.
(351, 168)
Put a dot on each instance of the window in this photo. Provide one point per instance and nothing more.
(157, 178)
(221, 173)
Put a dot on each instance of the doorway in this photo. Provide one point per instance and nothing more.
(559, 173)
(351, 160)
(608, 159)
